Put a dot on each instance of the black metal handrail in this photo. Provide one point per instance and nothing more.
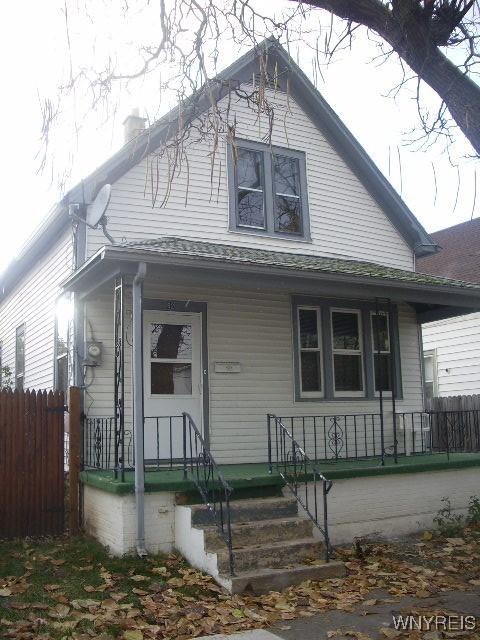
(200, 465)
(299, 472)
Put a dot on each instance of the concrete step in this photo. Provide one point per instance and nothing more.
(264, 580)
(271, 556)
(249, 510)
(260, 532)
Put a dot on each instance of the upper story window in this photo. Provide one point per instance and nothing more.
(20, 357)
(268, 190)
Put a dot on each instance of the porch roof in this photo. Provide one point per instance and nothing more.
(424, 290)
(303, 262)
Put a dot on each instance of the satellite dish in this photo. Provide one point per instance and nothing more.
(98, 207)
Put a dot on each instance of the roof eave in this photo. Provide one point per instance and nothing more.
(115, 258)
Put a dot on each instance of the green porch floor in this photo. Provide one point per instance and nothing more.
(256, 477)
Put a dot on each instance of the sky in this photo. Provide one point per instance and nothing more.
(36, 59)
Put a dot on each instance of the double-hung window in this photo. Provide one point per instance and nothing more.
(250, 189)
(344, 352)
(20, 357)
(430, 373)
(268, 190)
(63, 322)
(347, 352)
(381, 351)
(310, 350)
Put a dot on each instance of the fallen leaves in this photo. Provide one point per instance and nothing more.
(160, 598)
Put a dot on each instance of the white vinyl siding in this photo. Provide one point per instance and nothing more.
(253, 328)
(32, 302)
(344, 219)
(457, 346)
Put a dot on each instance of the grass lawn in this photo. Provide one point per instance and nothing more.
(71, 588)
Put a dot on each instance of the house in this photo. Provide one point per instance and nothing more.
(452, 346)
(251, 334)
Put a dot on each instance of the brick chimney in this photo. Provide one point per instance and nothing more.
(133, 125)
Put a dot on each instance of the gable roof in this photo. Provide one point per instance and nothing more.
(460, 255)
(302, 91)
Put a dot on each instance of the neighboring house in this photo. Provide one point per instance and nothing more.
(452, 346)
(282, 284)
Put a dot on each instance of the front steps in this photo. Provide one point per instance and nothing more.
(272, 545)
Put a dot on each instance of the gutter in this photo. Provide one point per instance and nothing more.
(137, 378)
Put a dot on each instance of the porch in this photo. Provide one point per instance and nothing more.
(300, 368)
(256, 478)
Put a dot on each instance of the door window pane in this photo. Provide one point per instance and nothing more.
(288, 205)
(170, 341)
(171, 379)
(348, 372)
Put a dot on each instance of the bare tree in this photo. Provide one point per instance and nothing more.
(435, 41)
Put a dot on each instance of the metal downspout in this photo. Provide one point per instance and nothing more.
(137, 377)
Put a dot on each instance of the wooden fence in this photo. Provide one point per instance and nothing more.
(32, 475)
(455, 403)
(455, 423)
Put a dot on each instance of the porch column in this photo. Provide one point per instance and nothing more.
(138, 422)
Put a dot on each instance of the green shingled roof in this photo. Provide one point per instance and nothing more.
(292, 261)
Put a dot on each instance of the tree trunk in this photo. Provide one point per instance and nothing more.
(460, 94)
(410, 37)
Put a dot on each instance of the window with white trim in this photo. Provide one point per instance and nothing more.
(430, 376)
(347, 348)
(268, 190)
(310, 352)
(63, 326)
(20, 357)
(380, 327)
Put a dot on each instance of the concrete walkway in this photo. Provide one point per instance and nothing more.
(365, 619)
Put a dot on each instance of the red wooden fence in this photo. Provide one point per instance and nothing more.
(31, 463)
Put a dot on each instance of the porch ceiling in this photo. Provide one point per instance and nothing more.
(209, 263)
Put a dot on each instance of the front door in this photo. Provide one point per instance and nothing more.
(172, 356)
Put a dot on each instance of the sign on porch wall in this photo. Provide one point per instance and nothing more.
(227, 367)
